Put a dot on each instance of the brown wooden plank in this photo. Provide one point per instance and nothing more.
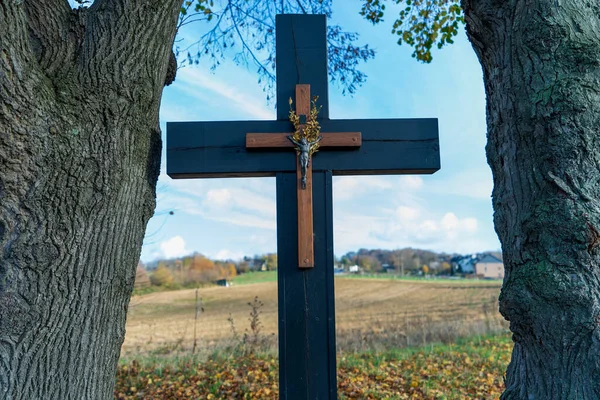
(303, 100)
(306, 253)
(280, 140)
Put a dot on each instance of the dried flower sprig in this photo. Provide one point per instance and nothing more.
(311, 130)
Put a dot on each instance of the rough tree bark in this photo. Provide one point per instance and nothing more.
(541, 67)
(79, 160)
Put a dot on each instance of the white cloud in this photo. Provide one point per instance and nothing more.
(248, 204)
(412, 182)
(218, 197)
(475, 183)
(174, 247)
(230, 215)
(454, 227)
(225, 254)
(261, 240)
(449, 222)
(351, 187)
(243, 219)
(255, 202)
(470, 224)
(192, 187)
(239, 207)
(405, 213)
(193, 80)
(407, 226)
(171, 112)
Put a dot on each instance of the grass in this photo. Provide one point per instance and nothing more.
(472, 368)
(427, 280)
(250, 278)
(397, 339)
(370, 314)
(271, 276)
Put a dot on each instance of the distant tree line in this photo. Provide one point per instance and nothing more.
(405, 261)
(265, 262)
(197, 269)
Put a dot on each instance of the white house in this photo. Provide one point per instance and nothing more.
(489, 266)
(354, 269)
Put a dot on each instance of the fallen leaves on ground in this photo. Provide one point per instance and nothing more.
(473, 370)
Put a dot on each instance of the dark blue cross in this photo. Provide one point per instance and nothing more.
(307, 358)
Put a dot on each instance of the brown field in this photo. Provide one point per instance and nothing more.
(370, 313)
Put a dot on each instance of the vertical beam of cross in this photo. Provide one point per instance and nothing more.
(307, 358)
(307, 362)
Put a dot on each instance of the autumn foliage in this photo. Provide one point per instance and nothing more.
(471, 370)
(141, 277)
(191, 271)
(162, 276)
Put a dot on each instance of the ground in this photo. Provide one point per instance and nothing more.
(390, 337)
(370, 313)
(473, 368)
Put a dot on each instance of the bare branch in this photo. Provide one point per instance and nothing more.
(301, 6)
(262, 69)
(245, 30)
(135, 36)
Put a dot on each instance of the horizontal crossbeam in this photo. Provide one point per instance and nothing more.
(218, 149)
(278, 140)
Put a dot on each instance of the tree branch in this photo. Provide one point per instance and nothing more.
(17, 60)
(484, 19)
(50, 34)
(13, 41)
(301, 6)
(132, 40)
(249, 50)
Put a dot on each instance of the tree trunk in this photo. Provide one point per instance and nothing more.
(541, 68)
(79, 160)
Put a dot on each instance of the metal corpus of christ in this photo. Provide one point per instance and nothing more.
(307, 362)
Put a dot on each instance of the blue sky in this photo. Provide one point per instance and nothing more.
(448, 211)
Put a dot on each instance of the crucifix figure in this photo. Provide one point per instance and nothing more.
(304, 147)
(307, 358)
(306, 137)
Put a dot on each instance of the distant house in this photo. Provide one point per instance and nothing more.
(489, 266)
(390, 269)
(464, 265)
(223, 282)
(354, 269)
(258, 264)
(484, 265)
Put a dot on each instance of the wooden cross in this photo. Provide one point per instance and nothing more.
(306, 257)
(307, 359)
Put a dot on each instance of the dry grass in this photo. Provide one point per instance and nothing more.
(393, 312)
